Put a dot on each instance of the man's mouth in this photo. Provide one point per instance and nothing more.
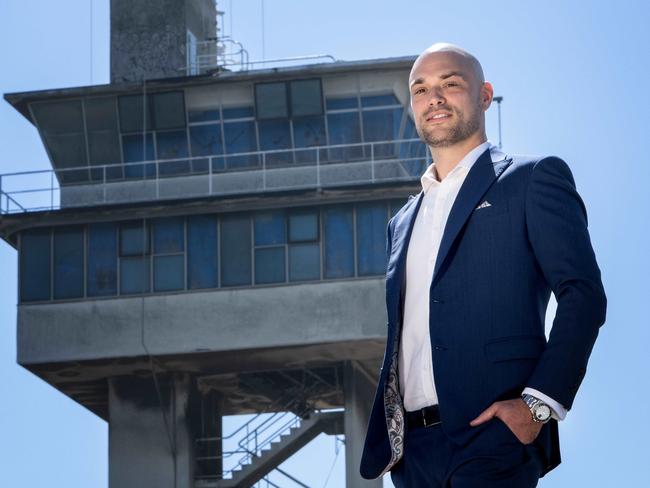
(437, 116)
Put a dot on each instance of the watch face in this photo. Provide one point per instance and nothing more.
(542, 412)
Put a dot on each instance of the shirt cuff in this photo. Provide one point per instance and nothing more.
(558, 412)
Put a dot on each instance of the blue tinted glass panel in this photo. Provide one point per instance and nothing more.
(102, 259)
(237, 112)
(304, 262)
(68, 263)
(204, 115)
(172, 145)
(306, 98)
(271, 100)
(274, 134)
(168, 273)
(413, 154)
(382, 125)
(202, 258)
(344, 128)
(134, 239)
(240, 138)
(168, 235)
(168, 110)
(303, 227)
(309, 132)
(131, 110)
(339, 242)
(395, 206)
(379, 100)
(35, 265)
(371, 238)
(235, 251)
(206, 140)
(270, 265)
(270, 229)
(134, 275)
(136, 148)
(341, 103)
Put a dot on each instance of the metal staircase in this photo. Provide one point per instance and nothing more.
(280, 448)
(256, 448)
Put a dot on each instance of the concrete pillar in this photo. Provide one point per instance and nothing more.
(150, 437)
(149, 37)
(359, 392)
(210, 443)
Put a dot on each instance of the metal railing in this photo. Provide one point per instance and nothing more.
(226, 53)
(256, 435)
(200, 176)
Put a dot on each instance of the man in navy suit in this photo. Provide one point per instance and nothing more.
(470, 390)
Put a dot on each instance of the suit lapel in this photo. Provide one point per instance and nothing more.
(483, 173)
(397, 264)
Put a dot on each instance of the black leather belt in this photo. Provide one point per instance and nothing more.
(425, 417)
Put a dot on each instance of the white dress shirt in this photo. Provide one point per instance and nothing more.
(416, 376)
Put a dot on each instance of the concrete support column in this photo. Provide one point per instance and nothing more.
(150, 436)
(359, 391)
(210, 443)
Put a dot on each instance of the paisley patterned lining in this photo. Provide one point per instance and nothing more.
(394, 410)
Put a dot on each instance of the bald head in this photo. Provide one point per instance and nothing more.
(449, 96)
(468, 60)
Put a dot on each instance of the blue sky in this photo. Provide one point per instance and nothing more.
(574, 82)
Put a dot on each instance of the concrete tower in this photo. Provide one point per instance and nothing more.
(209, 245)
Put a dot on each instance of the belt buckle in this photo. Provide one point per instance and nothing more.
(424, 420)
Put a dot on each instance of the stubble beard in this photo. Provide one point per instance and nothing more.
(460, 131)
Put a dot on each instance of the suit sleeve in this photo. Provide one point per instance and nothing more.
(389, 240)
(556, 222)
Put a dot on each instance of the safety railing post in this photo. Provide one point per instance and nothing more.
(157, 163)
(317, 168)
(51, 190)
(263, 171)
(209, 176)
(104, 183)
(372, 162)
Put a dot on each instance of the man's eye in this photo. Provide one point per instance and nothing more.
(419, 90)
(452, 83)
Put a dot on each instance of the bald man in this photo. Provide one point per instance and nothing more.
(470, 391)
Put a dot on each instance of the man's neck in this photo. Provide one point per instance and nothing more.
(446, 158)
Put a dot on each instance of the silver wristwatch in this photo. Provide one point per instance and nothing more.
(540, 411)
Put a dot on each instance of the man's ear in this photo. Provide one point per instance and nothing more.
(487, 93)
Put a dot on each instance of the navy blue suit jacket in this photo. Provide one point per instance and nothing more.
(494, 273)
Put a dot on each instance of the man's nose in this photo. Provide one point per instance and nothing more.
(435, 97)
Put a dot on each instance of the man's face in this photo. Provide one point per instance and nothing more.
(447, 98)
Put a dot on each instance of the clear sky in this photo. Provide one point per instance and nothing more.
(574, 77)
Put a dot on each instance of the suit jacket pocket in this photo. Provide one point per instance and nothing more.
(515, 347)
(499, 209)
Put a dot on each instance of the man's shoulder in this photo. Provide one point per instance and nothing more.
(523, 165)
(530, 161)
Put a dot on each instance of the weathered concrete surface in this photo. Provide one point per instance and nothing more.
(359, 390)
(199, 322)
(148, 37)
(150, 440)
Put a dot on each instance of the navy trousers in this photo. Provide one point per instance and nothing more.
(493, 459)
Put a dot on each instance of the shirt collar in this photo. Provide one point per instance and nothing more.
(429, 177)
